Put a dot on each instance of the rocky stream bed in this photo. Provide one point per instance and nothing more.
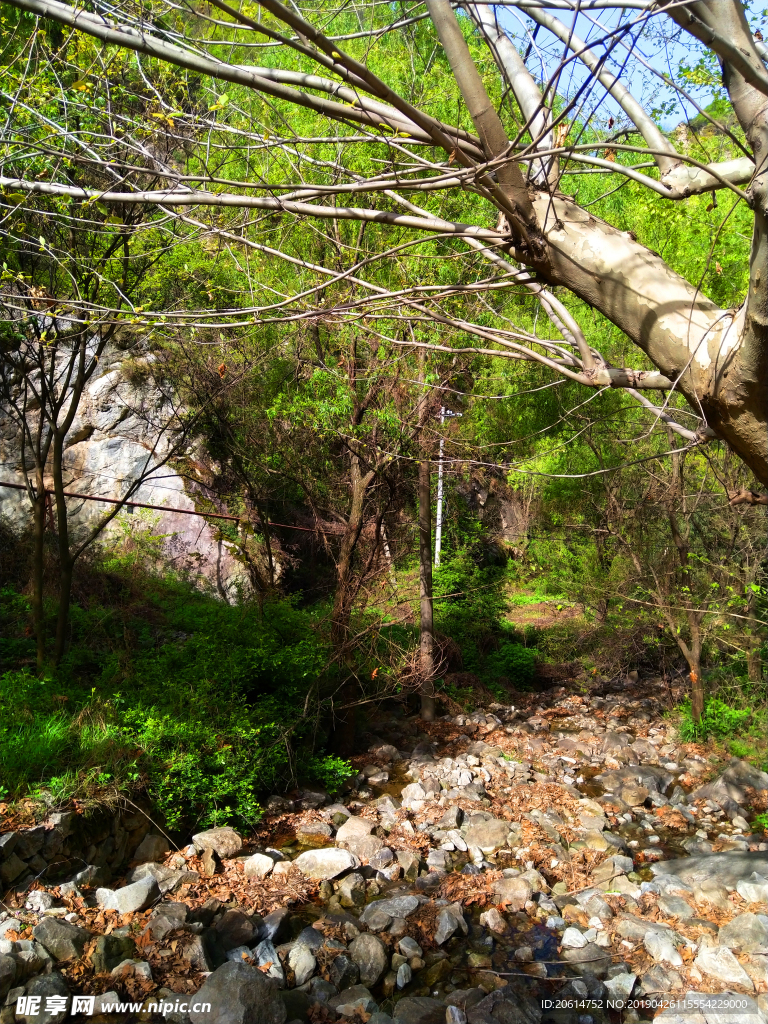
(563, 859)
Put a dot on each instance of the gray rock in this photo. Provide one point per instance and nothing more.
(513, 892)
(507, 1006)
(398, 906)
(167, 917)
(64, 941)
(661, 949)
(365, 848)
(266, 954)
(447, 925)
(302, 963)
(419, 1010)
(354, 995)
(753, 889)
(620, 985)
(746, 932)
(437, 860)
(673, 906)
(354, 828)
(110, 951)
(370, 955)
(11, 869)
(452, 818)
(44, 986)
(323, 865)
(7, 975)
(737, 778)
(413, 796)
(234, 929)
(351, 891)
(727, 868)
(376, 920)
(404, 975)
(223, 841)
(488, 835)
(720, 963)
(258, 866)
(137, 896)
(151, 848)
(196, 954)
(589, 960)
(344, 972)
(239, 994)
(409, 947)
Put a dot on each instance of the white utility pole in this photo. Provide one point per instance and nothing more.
(439, 517)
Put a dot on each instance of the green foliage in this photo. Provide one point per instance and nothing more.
(513, 661)
(718, 719)
(330, 770)
(200, 703)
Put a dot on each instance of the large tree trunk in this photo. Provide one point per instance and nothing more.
(38, 561)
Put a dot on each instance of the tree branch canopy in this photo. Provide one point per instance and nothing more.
(543, 174)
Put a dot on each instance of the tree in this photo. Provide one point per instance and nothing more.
(384, 105)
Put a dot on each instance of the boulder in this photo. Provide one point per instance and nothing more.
(110, 951)
(64, 941)
(419, 1010)
(258, 866)
(302, 963)
(720, 963)
(234, 929)
(354, 828)
(735, 782)
(7, 975)
(151, 848)
(223, 841)
(745, 933)
(238, 994)
(753, 889)
(488, 835)
(370, 955)
(322, 865)
(136, 896)
(514, 893)
(727, 868)
(43, 986)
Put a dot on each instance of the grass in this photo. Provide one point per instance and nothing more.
(204, 706)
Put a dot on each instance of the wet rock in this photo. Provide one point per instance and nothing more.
(239, 994)
(370, 955)
(314, 832)
(746, 932)
(151, 848)
(223, 841)
(591, 959)
(419, 1010)
(110, 951)
(720, 963)
(130, 898)
(258, 866)
(493, 920)
(325, 864)
(64, 941)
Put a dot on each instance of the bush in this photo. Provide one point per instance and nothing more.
(516, 662)
(718, 719)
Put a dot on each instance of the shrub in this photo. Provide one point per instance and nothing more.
(718, 719)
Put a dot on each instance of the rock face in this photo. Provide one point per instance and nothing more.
(239, 994)
(116, 426)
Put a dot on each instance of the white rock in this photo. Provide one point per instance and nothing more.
(660, 948)
(620, 987)
(323, 865)
(573, 939)
(258, 866)
(720, 963)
